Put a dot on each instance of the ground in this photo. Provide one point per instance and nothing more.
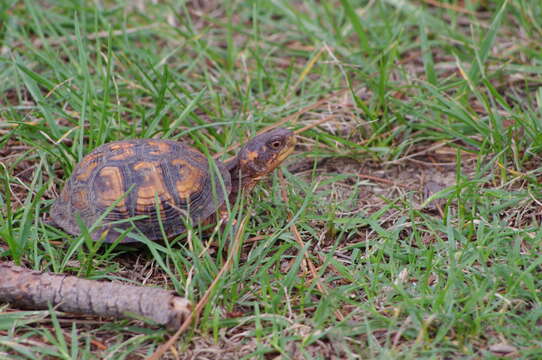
(406, 225)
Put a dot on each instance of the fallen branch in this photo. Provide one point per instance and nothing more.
(30, 289)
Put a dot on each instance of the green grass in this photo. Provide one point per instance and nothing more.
(448, 94)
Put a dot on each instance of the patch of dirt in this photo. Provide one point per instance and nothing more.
(418, 176)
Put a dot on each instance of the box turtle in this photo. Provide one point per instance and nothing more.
(131, 182)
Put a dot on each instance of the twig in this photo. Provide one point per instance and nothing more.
(310, 126)
(199, 307)
(450, 7)
(424, 151)
(26, 288)
(386, 181)
(247, 241)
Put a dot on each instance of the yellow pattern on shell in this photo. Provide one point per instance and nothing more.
(123, 151)
(86, 167)
(112, 187)
(161, 147)
(152, 184)
(79, 200)
(189, 179)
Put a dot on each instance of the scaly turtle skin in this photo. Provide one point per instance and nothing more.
(124, 183)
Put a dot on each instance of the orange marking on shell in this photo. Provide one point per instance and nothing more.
(190, 179)
(152, 184)
(79, 200)
(84, 172)
(86, 167)
(161, 147)
(122, 151)
(111, 187)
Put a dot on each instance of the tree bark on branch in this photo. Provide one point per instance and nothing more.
(28, 289)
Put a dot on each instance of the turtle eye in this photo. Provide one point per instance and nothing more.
(275, 144)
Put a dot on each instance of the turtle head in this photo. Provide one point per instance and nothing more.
(260, 156)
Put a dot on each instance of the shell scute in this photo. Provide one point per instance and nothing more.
(189, 178)
(151, 185)
(109, 186)
(80, 199)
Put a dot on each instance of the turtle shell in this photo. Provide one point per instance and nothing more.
(141, 183)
